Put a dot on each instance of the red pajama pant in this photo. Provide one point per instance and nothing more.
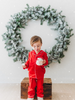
(31, 88)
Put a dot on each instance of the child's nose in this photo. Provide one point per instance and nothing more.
(36, 47)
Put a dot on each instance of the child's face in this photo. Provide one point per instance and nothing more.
(37, 46)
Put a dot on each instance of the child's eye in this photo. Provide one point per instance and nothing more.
(35, 46)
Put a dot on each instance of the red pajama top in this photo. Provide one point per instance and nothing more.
(36, 71)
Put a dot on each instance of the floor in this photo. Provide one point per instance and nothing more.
(59, 91)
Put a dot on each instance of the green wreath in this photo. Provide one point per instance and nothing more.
(19, 20)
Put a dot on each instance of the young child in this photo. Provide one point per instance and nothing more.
(37, 59)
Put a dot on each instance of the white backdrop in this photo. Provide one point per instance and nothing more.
(11, 72)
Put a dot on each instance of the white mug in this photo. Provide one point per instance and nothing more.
(39, 59)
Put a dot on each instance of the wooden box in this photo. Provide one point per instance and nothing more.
(47, 86)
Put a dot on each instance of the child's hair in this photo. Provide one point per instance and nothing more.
(35, 39)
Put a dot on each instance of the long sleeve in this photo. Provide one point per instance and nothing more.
(45, 58)
(27, 62)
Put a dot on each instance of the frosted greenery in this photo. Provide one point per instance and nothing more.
(13, 38)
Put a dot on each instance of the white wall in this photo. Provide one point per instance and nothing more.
(11, 72)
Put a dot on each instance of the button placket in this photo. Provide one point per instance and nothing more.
(35, 66)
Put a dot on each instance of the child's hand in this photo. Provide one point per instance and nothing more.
(44, 61)
(23, 66)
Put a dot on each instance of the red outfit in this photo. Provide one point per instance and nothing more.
(36, 73)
